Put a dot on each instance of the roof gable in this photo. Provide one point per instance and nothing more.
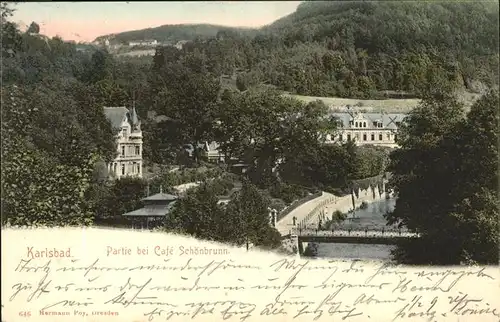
(387, 119)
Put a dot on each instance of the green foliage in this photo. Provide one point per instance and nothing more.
(249, 210)
(446, 179)
(34, 28)
(262, 127)
(244, 219)
(198, 214)
(187, 94)
(287, 192)
(356, 49)
(338, 216)
(370, 161)
(110, 201)
(37, 191)
(336, 167)
(53, 133)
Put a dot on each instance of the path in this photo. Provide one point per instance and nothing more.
(285, 224)
(309, 213)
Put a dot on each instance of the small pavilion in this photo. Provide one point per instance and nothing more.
(152, 215)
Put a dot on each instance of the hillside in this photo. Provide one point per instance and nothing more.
(356, 50)
(174, 33)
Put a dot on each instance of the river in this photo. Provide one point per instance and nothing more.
(370, 218)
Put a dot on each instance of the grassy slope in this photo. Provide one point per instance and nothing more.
(389, 105)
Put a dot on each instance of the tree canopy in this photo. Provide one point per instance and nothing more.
(446, 178)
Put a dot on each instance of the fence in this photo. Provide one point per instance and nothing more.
(296, 204)
(316, 209)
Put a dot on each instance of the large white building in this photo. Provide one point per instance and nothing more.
(128, 142)
(378, 129)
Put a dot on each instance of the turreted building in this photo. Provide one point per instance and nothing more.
(128, 140)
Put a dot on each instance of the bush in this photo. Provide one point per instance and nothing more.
(363, 205)
(338, 216)
(288, 193)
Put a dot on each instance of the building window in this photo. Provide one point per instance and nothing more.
(364, 124)
(114, 168)
(134, 167)
(395, 137)
(341, 137)
(388, 136)
(123, 150)
(138, 168)
(357, 136)
(373, 137)
(364, 137)
(380, 137)
(137, 150)
(356, 124)
(348, 137)
(124, 131)
(380, 125)
(123, 169)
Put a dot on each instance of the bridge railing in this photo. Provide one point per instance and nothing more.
(296, 204)
(316, 209)
(390, 233)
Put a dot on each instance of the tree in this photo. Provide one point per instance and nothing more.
(476, 184)
(99, 67)
(262, 127)
(109, 201)
(34, 28)
(189, 100)
(249, 210)
(445, 177)
(198, 214)
(37, 188)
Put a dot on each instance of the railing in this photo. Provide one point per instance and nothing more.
(390, 233)
(296, 204)
(319, 207)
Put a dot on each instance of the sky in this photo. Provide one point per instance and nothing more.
(84, 21)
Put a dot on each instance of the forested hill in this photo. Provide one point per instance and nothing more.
(358, 49)
(361, 46)
(174, 33)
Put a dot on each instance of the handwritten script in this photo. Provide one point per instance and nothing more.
(86, 280)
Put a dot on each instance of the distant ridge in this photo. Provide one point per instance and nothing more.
(174, 33)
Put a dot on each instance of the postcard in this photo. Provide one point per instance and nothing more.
(250, 161)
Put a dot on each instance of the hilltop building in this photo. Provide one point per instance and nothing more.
(128, 141)
(149, 42)
(378, 129)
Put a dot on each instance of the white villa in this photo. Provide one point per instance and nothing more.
(378, 129)
(128, 141)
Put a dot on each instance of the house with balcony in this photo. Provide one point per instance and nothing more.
(127, 125)
(379, 129)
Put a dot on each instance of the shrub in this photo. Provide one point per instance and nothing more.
(338, 216)
(363, 205)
